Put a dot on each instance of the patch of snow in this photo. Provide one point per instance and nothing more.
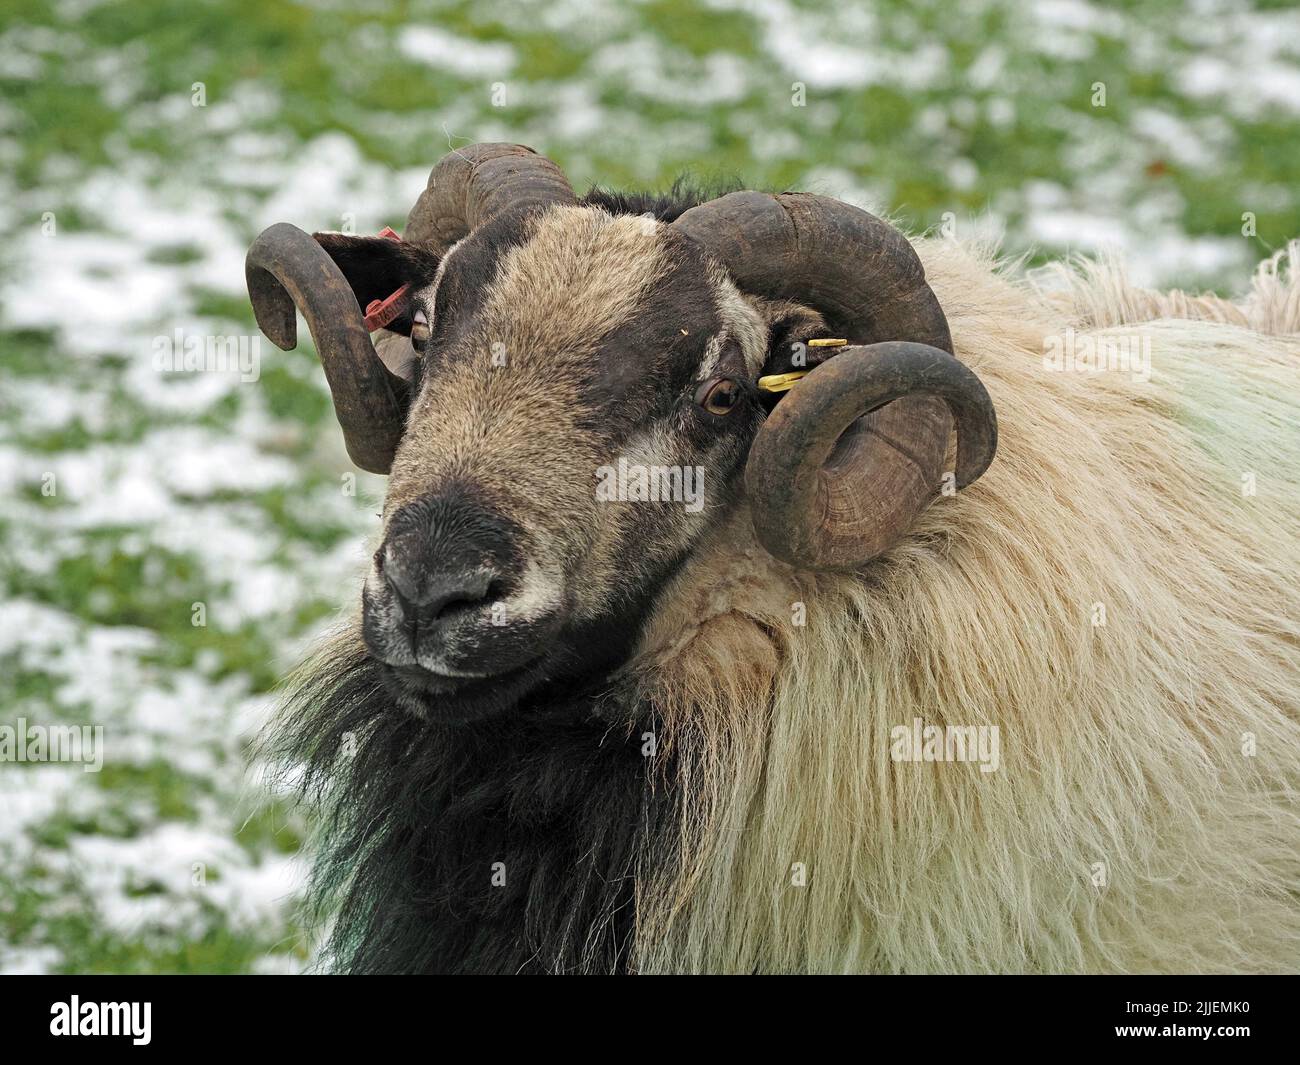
(458, 55)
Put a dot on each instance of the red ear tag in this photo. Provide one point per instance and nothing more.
(379, 313)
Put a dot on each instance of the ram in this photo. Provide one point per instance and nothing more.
(840, 716)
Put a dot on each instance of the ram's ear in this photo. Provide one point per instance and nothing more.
(376, 267)
(789, 326)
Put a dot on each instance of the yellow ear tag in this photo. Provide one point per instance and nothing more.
(780, 382)
(783, 382)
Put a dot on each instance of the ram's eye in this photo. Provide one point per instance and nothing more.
(719, 396)
(419, 331)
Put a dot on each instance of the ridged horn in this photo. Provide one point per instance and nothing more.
(855, 450)
(474, 184)
(286, 269)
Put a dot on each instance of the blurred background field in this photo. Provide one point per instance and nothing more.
(144, 144)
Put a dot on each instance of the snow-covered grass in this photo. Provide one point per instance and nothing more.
(170, 541)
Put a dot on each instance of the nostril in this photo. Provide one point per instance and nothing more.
(456, 594)
(424, 594)
(399, 575)
(454, 605)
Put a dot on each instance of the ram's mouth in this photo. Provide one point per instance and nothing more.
(455, 700)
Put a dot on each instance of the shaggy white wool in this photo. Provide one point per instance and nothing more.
(1119, 595)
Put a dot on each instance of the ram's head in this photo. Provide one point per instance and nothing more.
(547, 360)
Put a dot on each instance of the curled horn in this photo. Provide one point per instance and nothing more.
(286, 268)
(473, 185)
(852, 454)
